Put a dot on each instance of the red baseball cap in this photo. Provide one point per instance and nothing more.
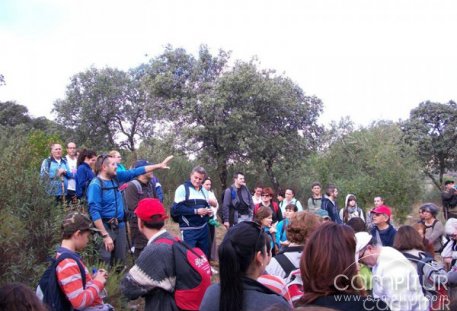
(382, 209)
(147, 208)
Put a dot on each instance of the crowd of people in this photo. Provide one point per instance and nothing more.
(277, 254)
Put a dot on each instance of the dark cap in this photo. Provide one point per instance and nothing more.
(447, 182)
(141, 163)
(147, 208)
(75, 221)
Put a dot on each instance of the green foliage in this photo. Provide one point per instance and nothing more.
(28, 215)
(12, 114)
(369, 162)
(227, 117)
(107, 108)
(432, 130)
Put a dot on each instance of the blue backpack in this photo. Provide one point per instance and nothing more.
(52, 295)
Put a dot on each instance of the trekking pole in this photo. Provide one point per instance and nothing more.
(62, 181)
(129, 234)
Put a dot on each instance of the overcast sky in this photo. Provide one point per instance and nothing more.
(366, 59)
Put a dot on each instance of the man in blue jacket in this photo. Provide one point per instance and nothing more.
(106, 207)
(330, 205)
(56, 171)
(191, 207)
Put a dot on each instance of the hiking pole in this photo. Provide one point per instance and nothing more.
(62, 182)
(129, 237)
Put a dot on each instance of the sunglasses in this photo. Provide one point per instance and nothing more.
(102, 158)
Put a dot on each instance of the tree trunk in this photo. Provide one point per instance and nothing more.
(269, 169)
(223, 172)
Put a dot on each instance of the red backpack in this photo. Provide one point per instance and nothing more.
(193, 274)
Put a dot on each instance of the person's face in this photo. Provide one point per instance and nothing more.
(239, 181)
(379, 218)
(258, 191)
(207, 185)
(368, 256)
(266, 222)
(117, 157)
(377, 202)
(91, 161)
(426, 215)
(352, 202)
(56, 151)
(335, 193)
(110, 166)
(289, 213)
(71, 149)
(316, 190)
(280, 198)
(289, 195)
(82, 239)
(266, 198)
(196, 179)
(454, 235)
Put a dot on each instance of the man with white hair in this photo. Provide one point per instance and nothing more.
(449, 253)
(395, 279)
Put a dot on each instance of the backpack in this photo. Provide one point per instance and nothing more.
(193, 274)
(49, 289)
(173, 214)
(232, 194)
(129, 215)
(285, 262)
(432, 277)
(232, 197)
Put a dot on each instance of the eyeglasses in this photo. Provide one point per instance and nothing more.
(363, 253)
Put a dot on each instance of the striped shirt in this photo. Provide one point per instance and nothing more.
(276, 284)
(70, 281)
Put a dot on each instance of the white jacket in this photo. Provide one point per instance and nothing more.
(395, 280)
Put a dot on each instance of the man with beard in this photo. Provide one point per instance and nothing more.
(106, 207)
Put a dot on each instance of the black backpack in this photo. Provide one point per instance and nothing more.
(173, 214)
(53, 296)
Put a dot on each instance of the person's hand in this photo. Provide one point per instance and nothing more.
(226, 225)
(447, 260)
(164, 163)
(212, 202)
(203, 211)
(101, 276)
(284, 243)
(61, 171)
(272, 230)
(109, 244)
